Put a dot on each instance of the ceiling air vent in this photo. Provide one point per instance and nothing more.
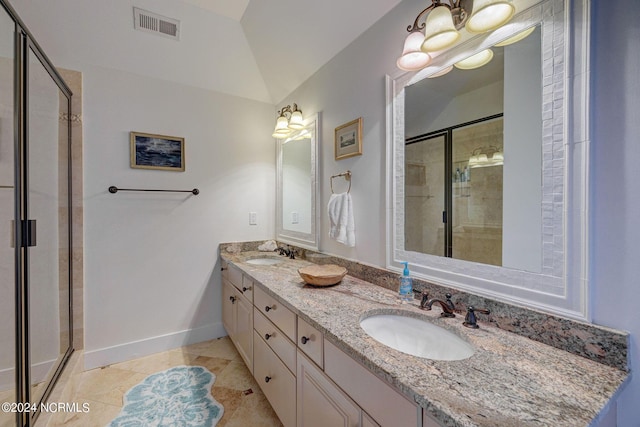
(157, 24)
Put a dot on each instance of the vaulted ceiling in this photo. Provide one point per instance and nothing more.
(257, 49)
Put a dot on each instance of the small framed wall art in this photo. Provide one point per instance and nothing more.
(348, 139)
(158, 152)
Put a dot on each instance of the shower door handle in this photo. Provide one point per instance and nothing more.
(29, 233)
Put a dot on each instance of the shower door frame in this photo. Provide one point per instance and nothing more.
(24, 42)
(447, 133)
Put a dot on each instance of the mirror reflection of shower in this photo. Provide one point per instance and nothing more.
(453, 192)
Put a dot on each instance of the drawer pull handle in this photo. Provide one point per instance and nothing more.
(272, 307)
(304, 340)
(232, 299)
(245, 289)
(267, 336)
(267, 379)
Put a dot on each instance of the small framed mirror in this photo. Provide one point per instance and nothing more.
(297, 180)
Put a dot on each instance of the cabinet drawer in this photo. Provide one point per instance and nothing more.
(279, 343)
(234, 275)
(275, 380)
(280, 315)
(247, 287)
(370, 392)
(310, 341)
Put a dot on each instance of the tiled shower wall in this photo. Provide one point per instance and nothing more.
(74, 81)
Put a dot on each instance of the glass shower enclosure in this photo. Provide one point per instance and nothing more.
(35, 223)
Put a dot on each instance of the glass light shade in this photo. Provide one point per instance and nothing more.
(475, 61)
(441, 72)
(413, 59)
(282, 128)
(296, 122)
(489, 14)
(497, 158)
(279, 135)
(474, 161)
(440, 33)
(521, 35)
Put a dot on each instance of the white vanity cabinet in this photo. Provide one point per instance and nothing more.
(237, 313)
(308, 381)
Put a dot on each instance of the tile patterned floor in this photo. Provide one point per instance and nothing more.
(103, 388)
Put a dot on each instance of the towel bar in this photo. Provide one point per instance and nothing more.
(113, 190)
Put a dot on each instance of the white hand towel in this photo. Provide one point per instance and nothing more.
(340, 211)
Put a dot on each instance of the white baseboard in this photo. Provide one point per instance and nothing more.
(132, 350)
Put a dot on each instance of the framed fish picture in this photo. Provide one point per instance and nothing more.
(160, 152)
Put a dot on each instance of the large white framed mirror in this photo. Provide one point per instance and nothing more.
(488, 167)
(297, 181)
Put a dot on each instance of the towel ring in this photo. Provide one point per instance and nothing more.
(346, 175)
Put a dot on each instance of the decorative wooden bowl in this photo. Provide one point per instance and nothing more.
(322, 275)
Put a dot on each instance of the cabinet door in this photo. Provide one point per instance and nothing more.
(244, 330)
(367, 421)
(320, 402)
(228, 305)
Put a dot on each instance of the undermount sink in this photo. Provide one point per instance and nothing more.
(416, 337)
(264, 261)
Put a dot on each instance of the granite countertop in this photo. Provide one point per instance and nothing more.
(509, 381)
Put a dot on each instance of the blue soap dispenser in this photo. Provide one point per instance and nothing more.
(406, 285)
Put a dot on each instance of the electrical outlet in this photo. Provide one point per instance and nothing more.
(295, 218)
(253, 218)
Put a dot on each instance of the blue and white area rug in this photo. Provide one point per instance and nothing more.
(177, 397)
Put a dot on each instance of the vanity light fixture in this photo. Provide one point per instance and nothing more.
(480, 157)
(289, 119)
(438, 27)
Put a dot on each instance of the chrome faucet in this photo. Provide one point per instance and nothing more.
(447, 306)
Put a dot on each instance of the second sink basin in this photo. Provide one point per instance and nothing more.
(264, 261)
(416, 337)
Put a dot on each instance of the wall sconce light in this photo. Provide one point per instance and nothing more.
(442, 21)
(289, 119)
